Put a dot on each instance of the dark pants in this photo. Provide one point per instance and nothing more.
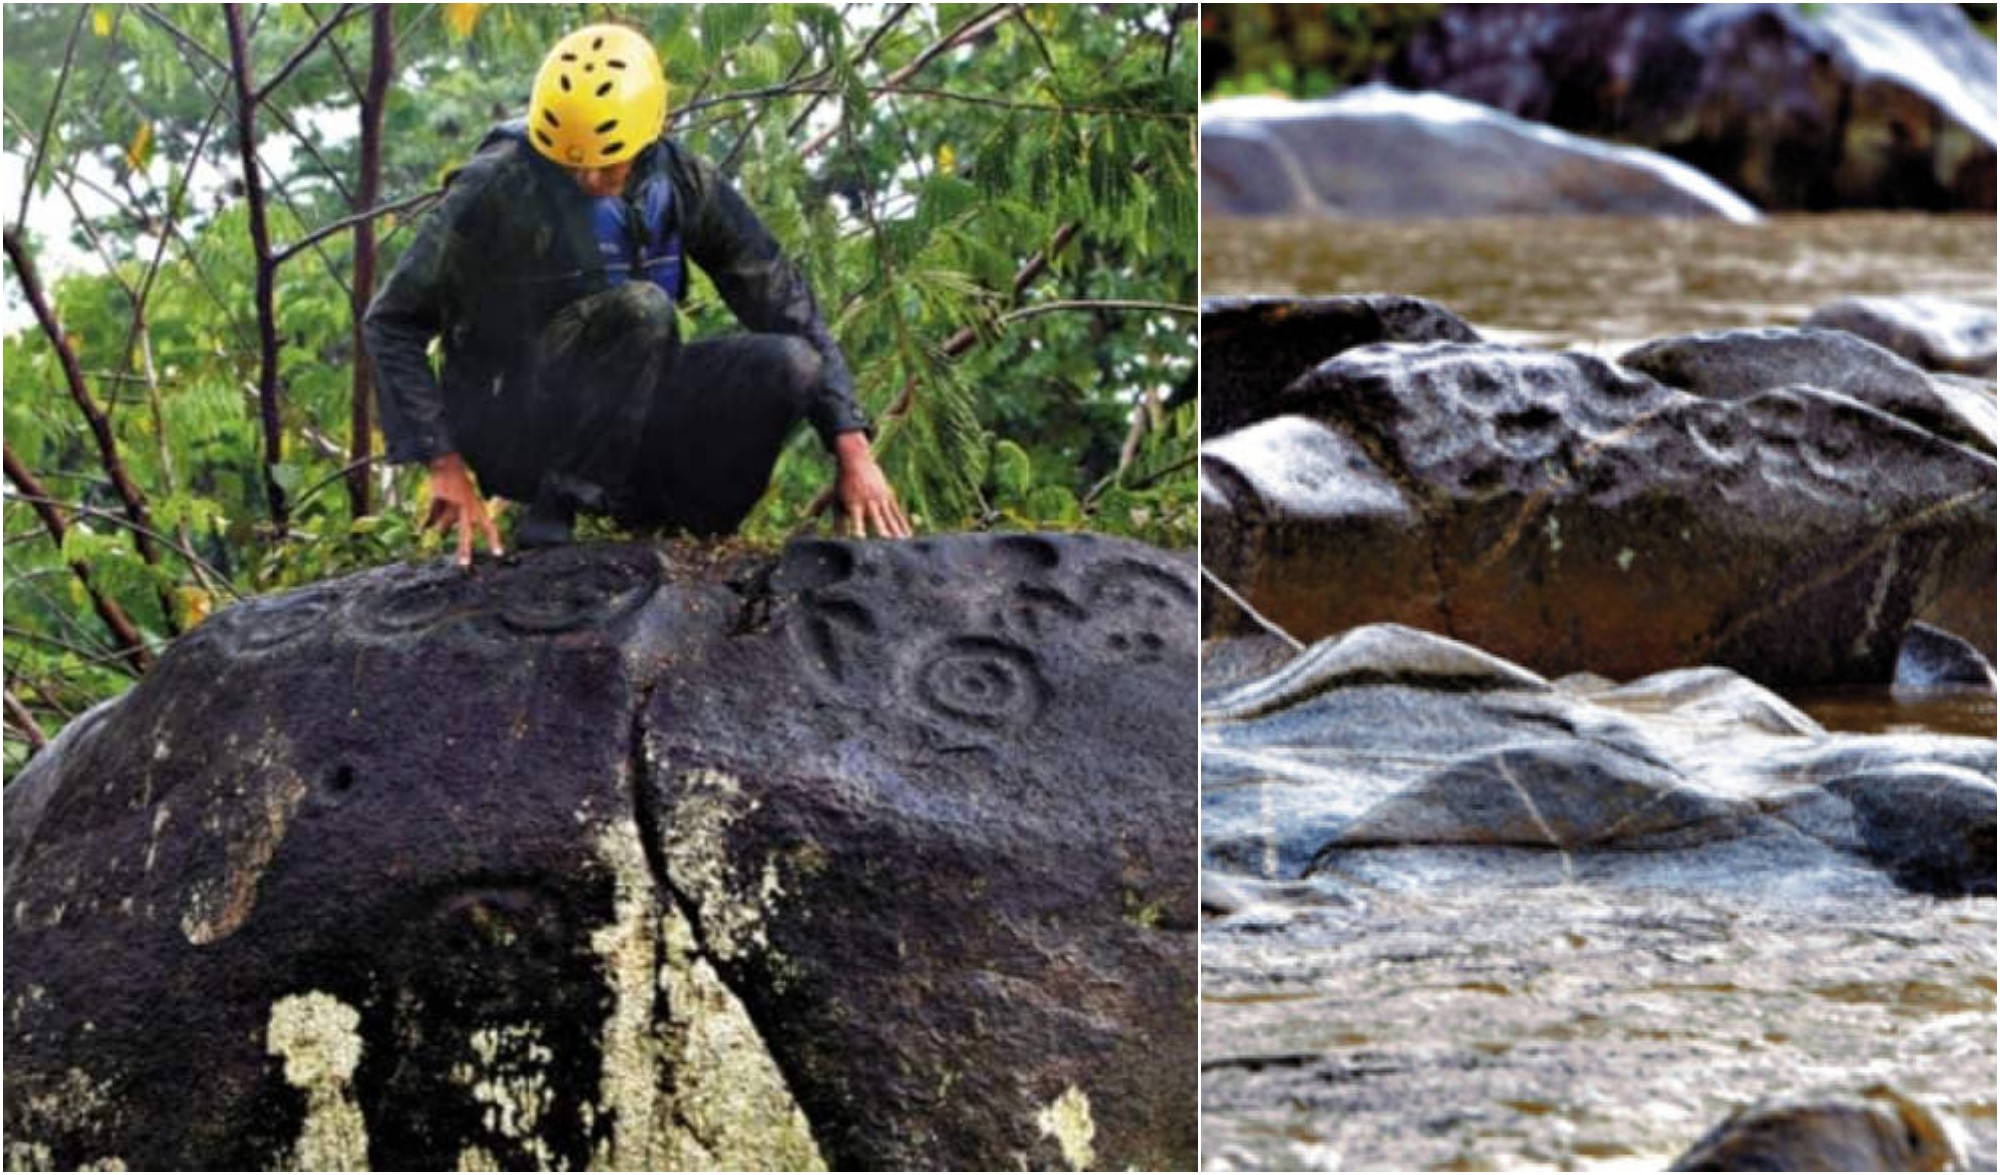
(622, 419)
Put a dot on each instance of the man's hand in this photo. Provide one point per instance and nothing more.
(865, 495)
(454, 502)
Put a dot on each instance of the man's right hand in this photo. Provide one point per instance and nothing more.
(455, 502)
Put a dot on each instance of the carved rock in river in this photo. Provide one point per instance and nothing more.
(1397, 758)
(1795, 106)
(876, 856)
(1379, 152)
(1572, 514)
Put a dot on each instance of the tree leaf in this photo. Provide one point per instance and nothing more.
(461, 18)
(140, 150)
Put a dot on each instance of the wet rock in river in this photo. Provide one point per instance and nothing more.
(1734, 365)
(1252, 347)
(1573, 514)
(1934, 659)
(1936, 334)
(1395, 757)
(875, 857)
(1880, 1130)
(1795, 106)
(1379, 152)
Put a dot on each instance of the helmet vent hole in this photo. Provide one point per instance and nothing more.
(549, 116)
(590, 67)
(598, 43)
(544, 137)
(564, 79)
(605, 126)
(614, 148)
(604, 89)
(615, 63)
(569, 57)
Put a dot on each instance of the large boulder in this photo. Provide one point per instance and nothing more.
(1808, 106)
(1573, 514)
(1380, 152)
(1251, 347)
(871, 856)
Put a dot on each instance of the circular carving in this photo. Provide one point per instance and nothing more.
(574, 588)
(980, 682)
(257, 626)
(419, 601)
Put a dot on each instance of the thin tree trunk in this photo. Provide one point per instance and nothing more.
(131, 646)
(382, 62)
(260, 241)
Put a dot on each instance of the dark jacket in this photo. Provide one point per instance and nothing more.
(512, 243)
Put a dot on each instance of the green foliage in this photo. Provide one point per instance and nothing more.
(1301, 50)
(912, 206)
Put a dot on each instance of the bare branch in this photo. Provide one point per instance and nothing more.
(347, 222)
(260, 240)
(304, 51)
(1100, 304)
(978, 26)
(49, 119)
(360, 427)
(24, 722)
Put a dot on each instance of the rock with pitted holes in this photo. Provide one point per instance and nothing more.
(869, 856)
(1573, 514)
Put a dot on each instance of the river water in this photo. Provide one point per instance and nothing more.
(1574, 1027)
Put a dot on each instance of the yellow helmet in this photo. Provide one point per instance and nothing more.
(600, 98)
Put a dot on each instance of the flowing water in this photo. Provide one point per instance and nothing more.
(1573, 1027)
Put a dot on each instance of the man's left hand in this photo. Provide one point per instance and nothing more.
(866, 498)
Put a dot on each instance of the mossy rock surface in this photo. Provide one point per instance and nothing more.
(868, 855)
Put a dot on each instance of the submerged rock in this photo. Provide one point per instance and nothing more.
(1391, 756)
(1252, 347)
(1574, 514)
(1380, 152)
(1936, 334)
(1809, 106)
(875, 857)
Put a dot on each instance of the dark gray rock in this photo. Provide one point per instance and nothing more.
(1252, 347)
(1794, 106)
(1936, 334)
(1380, 152)
(1883, 1129)
(877, 856)
(1933, 659)
(1400, 758)
(1734, 365)
(1575, 515)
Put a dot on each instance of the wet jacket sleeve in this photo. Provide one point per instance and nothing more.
(765, 291)
(412, 308)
